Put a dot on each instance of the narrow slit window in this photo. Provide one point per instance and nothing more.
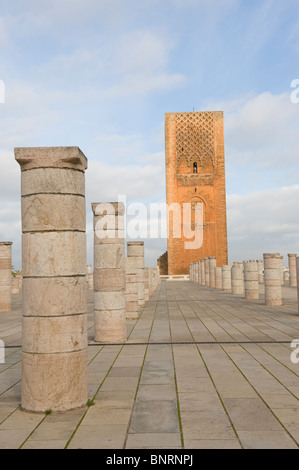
(194, 167)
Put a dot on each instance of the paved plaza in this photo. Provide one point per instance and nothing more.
(201, 369)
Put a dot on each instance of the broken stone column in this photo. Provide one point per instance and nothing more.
(199, 271)
(15, 285)
(218, 278)
(212, 266)
(251, 280)
(54, 350)
(281, 270)
(89, 277)
(237, 280)
(226, 278)
(5, 277)
(286, 278)
(260, 266)
(136, 250)
(146, 284)
(109, 273)
(202, 268)
(207, 271)
(292, 270)
(131, 289)
(272, 279)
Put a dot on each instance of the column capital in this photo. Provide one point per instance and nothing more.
(110, 208)
(50, 157)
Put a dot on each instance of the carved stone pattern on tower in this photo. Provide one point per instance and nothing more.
(195, 137)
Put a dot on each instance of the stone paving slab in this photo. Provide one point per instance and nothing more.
(220, 377)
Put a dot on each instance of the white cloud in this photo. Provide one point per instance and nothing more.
(263, 222)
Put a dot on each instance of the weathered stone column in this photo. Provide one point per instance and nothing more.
(212, 266)
(260, 266)
(136, 250)
(5, 276)
(251, 280)
(272, 278)
(226, 278)
(131, 289)
(109, 273)
(146, 284)
(199, 271)
(237, 280)
(286, 278)
(150, 281)
(218, 278)
(292, 270)
(89, 277)
(54, 350)
(207, 271)
(202, 268)
(281, 270)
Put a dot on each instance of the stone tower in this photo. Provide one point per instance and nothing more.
(195, 173)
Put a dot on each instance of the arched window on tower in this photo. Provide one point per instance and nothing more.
(194, 167)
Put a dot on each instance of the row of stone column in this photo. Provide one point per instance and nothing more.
(54, 325)
(244, 278)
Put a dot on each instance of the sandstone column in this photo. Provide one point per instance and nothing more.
(260, 265)
(207, 271)
(199, 271)
(146, 284)
(109, 273)
(272, 278)
(202, 268)
(237, 280)
(136, 250)
(251, 279)
(54, 350)
(212, 266)
(226, 278)
(5, 277)
(281, 270)
(89, 277)
(292, 270)
(218, 278)
(131, 289)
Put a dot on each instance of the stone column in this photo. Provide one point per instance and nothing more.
(297, 275)
(146, 284)
(260, 266)
(281, 270)
(272, 279)
(202, 268)
(109, 273)
(89, 277)
(237, 280)
(54, 350)
(212, 266)
(218, 278)
(136, 250)
(199, 271)
(150, 281)
(15, 285)
(226, 278)
(286, 278)
(251, 279)
(207, 271)
(292, 270)
(131, 289)
(5, 276)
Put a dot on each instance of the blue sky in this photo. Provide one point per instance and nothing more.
(100, 74)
